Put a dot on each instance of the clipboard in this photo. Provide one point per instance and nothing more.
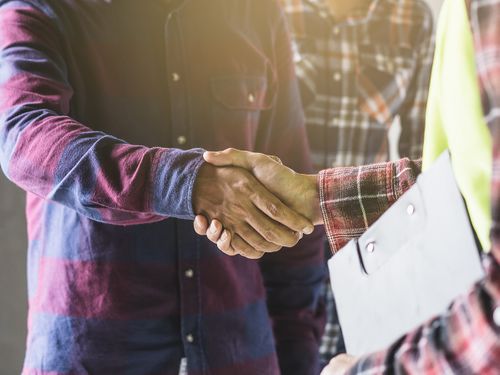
(408, 266)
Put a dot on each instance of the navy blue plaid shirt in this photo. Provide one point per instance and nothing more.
(102, 107)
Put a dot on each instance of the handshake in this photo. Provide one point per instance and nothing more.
(251, 204)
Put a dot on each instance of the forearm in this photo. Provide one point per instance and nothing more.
(97, 175)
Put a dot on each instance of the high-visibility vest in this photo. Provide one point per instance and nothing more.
(455, 119)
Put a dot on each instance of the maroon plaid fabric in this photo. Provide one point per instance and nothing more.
(466, 338)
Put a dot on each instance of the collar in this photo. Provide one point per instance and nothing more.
(359, 15)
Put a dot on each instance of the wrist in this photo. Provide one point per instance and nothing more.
(311, 196)
(205, 179)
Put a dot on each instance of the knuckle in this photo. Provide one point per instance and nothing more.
(269, 235)
(212, 237)
(272, 208)
(262, 245)
(222, 246)
(244, 186)
(259, 158)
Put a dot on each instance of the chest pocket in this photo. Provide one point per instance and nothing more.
(384, 75)
(238, 103)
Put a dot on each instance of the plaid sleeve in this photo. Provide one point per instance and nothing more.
(412, 113)
(48, 153)
(352, 198)
(463, 340)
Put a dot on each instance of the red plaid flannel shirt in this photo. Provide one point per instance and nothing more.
(466, 338)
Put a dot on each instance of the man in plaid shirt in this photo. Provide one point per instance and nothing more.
(104, 106)
(360, 64)
(466, 338)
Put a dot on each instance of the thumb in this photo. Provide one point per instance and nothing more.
(229, 157)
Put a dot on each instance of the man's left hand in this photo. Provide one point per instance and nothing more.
(339, 365)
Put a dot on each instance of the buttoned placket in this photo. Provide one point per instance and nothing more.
(187, 247)
(177, 84)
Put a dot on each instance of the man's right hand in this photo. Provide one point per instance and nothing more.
(258, 221)
(297, 191)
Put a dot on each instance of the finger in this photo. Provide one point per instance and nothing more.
(232, 157)
(276, 159)
(328, 370)
(224, 243)
(276, 210)
(214, 231)
(200, 225)
(244, 249)
(271, 230)
(256, 241)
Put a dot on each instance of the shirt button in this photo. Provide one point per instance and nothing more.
(251, 98)
(336, 30)
(181, 140)
(190, 338)
(176, 77)
(496, 316)
(337, 76)
(189, 273)
(370, 247)
(410, 209)
(323, 14)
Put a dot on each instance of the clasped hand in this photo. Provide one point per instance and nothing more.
(250, 204)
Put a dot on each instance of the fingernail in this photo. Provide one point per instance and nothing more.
(213, 228)
(308, 230)
(224, 236)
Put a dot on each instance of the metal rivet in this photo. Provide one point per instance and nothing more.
(370, 247)
(176, 77)
(251, 98)
(410, 209)
(190, 338)
(181, 140)
(337, 76)
(496, 316)
(189, 273)
(323, 14)
(336, 30)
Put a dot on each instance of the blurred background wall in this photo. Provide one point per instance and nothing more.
(13, 271)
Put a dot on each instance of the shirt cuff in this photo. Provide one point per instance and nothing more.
(353, 198)
(176, 173)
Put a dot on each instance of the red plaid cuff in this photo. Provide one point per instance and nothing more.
(353, 198)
